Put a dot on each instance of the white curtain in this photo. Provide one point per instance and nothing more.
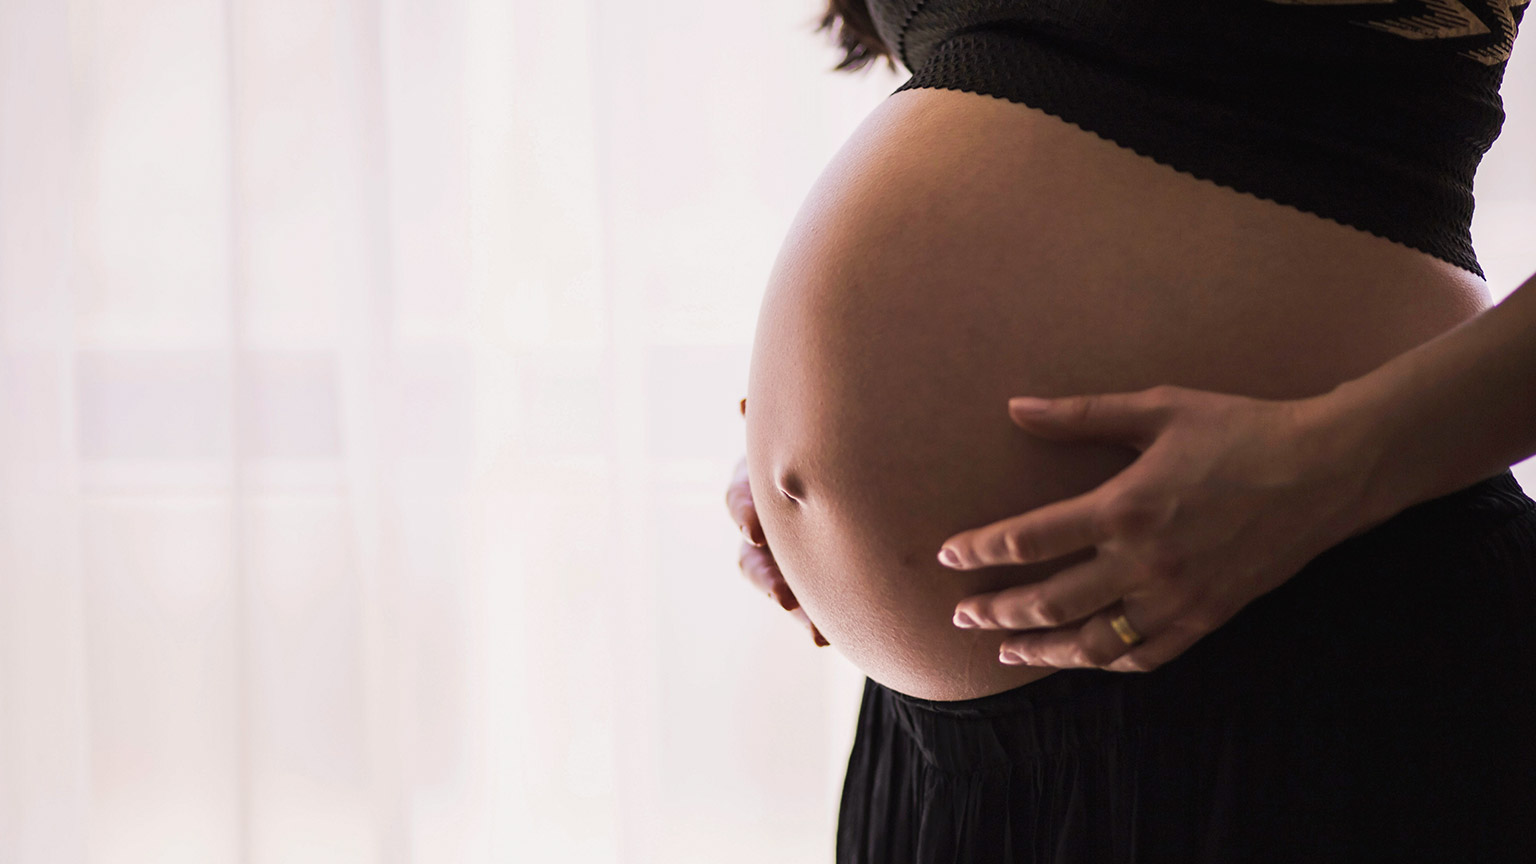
(368, 390)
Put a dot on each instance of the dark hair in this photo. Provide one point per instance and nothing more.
(853, 30)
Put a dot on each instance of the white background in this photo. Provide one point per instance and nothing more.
(368, 391)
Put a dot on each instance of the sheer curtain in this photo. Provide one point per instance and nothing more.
(368, 386)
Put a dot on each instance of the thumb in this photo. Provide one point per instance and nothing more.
(1129, 418)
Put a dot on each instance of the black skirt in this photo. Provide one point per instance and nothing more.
(1378, 706)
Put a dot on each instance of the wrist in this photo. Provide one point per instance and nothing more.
(1347, 437)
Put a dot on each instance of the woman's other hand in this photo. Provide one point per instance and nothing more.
(756, 561)
(1230, 497)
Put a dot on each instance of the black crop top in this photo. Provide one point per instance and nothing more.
(1374, 114)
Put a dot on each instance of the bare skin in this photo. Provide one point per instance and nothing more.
(960, 250)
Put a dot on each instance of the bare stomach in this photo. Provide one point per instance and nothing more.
(962, 249)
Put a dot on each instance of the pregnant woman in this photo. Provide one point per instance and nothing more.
(1271, 581)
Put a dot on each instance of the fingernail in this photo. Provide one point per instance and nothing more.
(1010, 657)
(1028, 404)
(820, 640)
(963, 620)
(746, 531)
(948, 557)
(743, 406)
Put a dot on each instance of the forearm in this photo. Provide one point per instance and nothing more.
(1445, 414)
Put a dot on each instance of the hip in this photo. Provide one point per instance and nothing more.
(1374, 707)
(1432, 608)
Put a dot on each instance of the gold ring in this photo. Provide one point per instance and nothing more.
(1127, 633)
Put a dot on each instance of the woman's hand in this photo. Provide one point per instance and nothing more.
(1230, 497)
(756, 561)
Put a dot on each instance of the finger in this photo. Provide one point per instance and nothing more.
(803, 618)
(1159, 649)
(1130, 418)
(738, 500)
(1091, 644)
(1172, 639)
(1038, 535)
(752, 527)
(763, 572)
(1068, 595)
(816, 637)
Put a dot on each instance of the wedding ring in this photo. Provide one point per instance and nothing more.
(1127, 633)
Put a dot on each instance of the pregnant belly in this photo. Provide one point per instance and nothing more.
(961, 249)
